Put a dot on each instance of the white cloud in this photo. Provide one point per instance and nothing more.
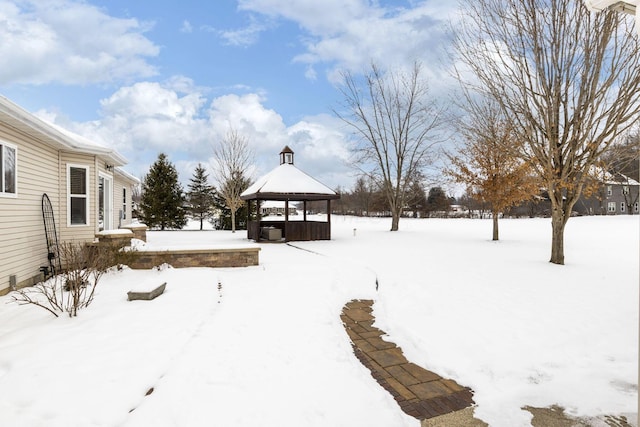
(350, 34)
(70, 42)
(244, 36)
(186, 27)
(175, 117)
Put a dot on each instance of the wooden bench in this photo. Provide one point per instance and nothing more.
(146, 292)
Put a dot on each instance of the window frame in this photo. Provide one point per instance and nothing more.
(611, 207)
(622, 206)
(3, 146)
(86, 196)
(625, 190)
(609, 190)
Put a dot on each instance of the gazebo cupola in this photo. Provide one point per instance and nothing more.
(286, 155)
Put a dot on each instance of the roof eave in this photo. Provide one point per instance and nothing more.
(296, 197)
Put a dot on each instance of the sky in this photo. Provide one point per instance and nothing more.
(173, 77)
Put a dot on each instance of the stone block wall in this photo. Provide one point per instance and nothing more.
(238, 257)
(139, 231)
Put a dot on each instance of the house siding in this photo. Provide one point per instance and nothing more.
(22, 241)
(43, 169)
(598, 204)
(121, 183)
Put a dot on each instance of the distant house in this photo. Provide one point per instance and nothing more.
(617, 194)
(276, 207)
(83, 181)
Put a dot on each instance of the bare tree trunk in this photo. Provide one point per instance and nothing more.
(495, 225)
(395, 220)
(233, 221)
(558, 221)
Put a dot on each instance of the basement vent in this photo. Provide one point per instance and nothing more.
(12, 282)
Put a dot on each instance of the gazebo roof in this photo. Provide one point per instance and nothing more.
(286, 182)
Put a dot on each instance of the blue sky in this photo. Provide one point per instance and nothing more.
(166, 76)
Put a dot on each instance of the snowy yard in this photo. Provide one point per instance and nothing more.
(267, 346)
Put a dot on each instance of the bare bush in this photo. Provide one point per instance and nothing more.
(74, 289)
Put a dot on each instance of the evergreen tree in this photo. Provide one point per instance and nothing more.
(162, 202)
(201, 195)
(416, 195)
(437, 201)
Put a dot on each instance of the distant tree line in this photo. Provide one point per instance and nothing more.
(367, 199)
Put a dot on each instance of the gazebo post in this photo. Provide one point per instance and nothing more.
(286, 218)
(258, 219)
(304, 208)
(329, 216)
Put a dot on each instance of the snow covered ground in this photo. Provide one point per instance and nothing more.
(267, 346)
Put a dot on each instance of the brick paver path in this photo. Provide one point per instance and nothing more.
(420, 393)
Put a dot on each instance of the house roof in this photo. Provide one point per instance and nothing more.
(126, 175)
(53, 135)
(606, 177)
(286, 182)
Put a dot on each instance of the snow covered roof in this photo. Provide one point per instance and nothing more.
(286, 182)
(54, 135)
(609, 178)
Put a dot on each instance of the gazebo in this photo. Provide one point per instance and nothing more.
(287, 184)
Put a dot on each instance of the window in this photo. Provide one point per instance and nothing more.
(622, 206)
(124, 203)
(635, 207)
(8, 172)
(625, 189)
(78, 195)
(609, 192)
(611, 207)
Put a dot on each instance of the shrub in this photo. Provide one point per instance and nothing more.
(74, 289)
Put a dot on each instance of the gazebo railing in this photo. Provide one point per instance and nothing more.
(293, 230)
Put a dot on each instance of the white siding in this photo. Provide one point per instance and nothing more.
(22, 239)
(121, 182)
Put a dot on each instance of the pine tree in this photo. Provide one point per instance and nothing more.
(201, 195)
(437, 200)
(162, 202)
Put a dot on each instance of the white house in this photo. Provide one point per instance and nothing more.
(83, 180)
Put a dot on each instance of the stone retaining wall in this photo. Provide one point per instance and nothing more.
(139, 231)
(238, 257)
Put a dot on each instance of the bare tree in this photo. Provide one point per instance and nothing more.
(232, 157)
(397, 127)
(363, 193)
(567, 80)
(487, 162)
